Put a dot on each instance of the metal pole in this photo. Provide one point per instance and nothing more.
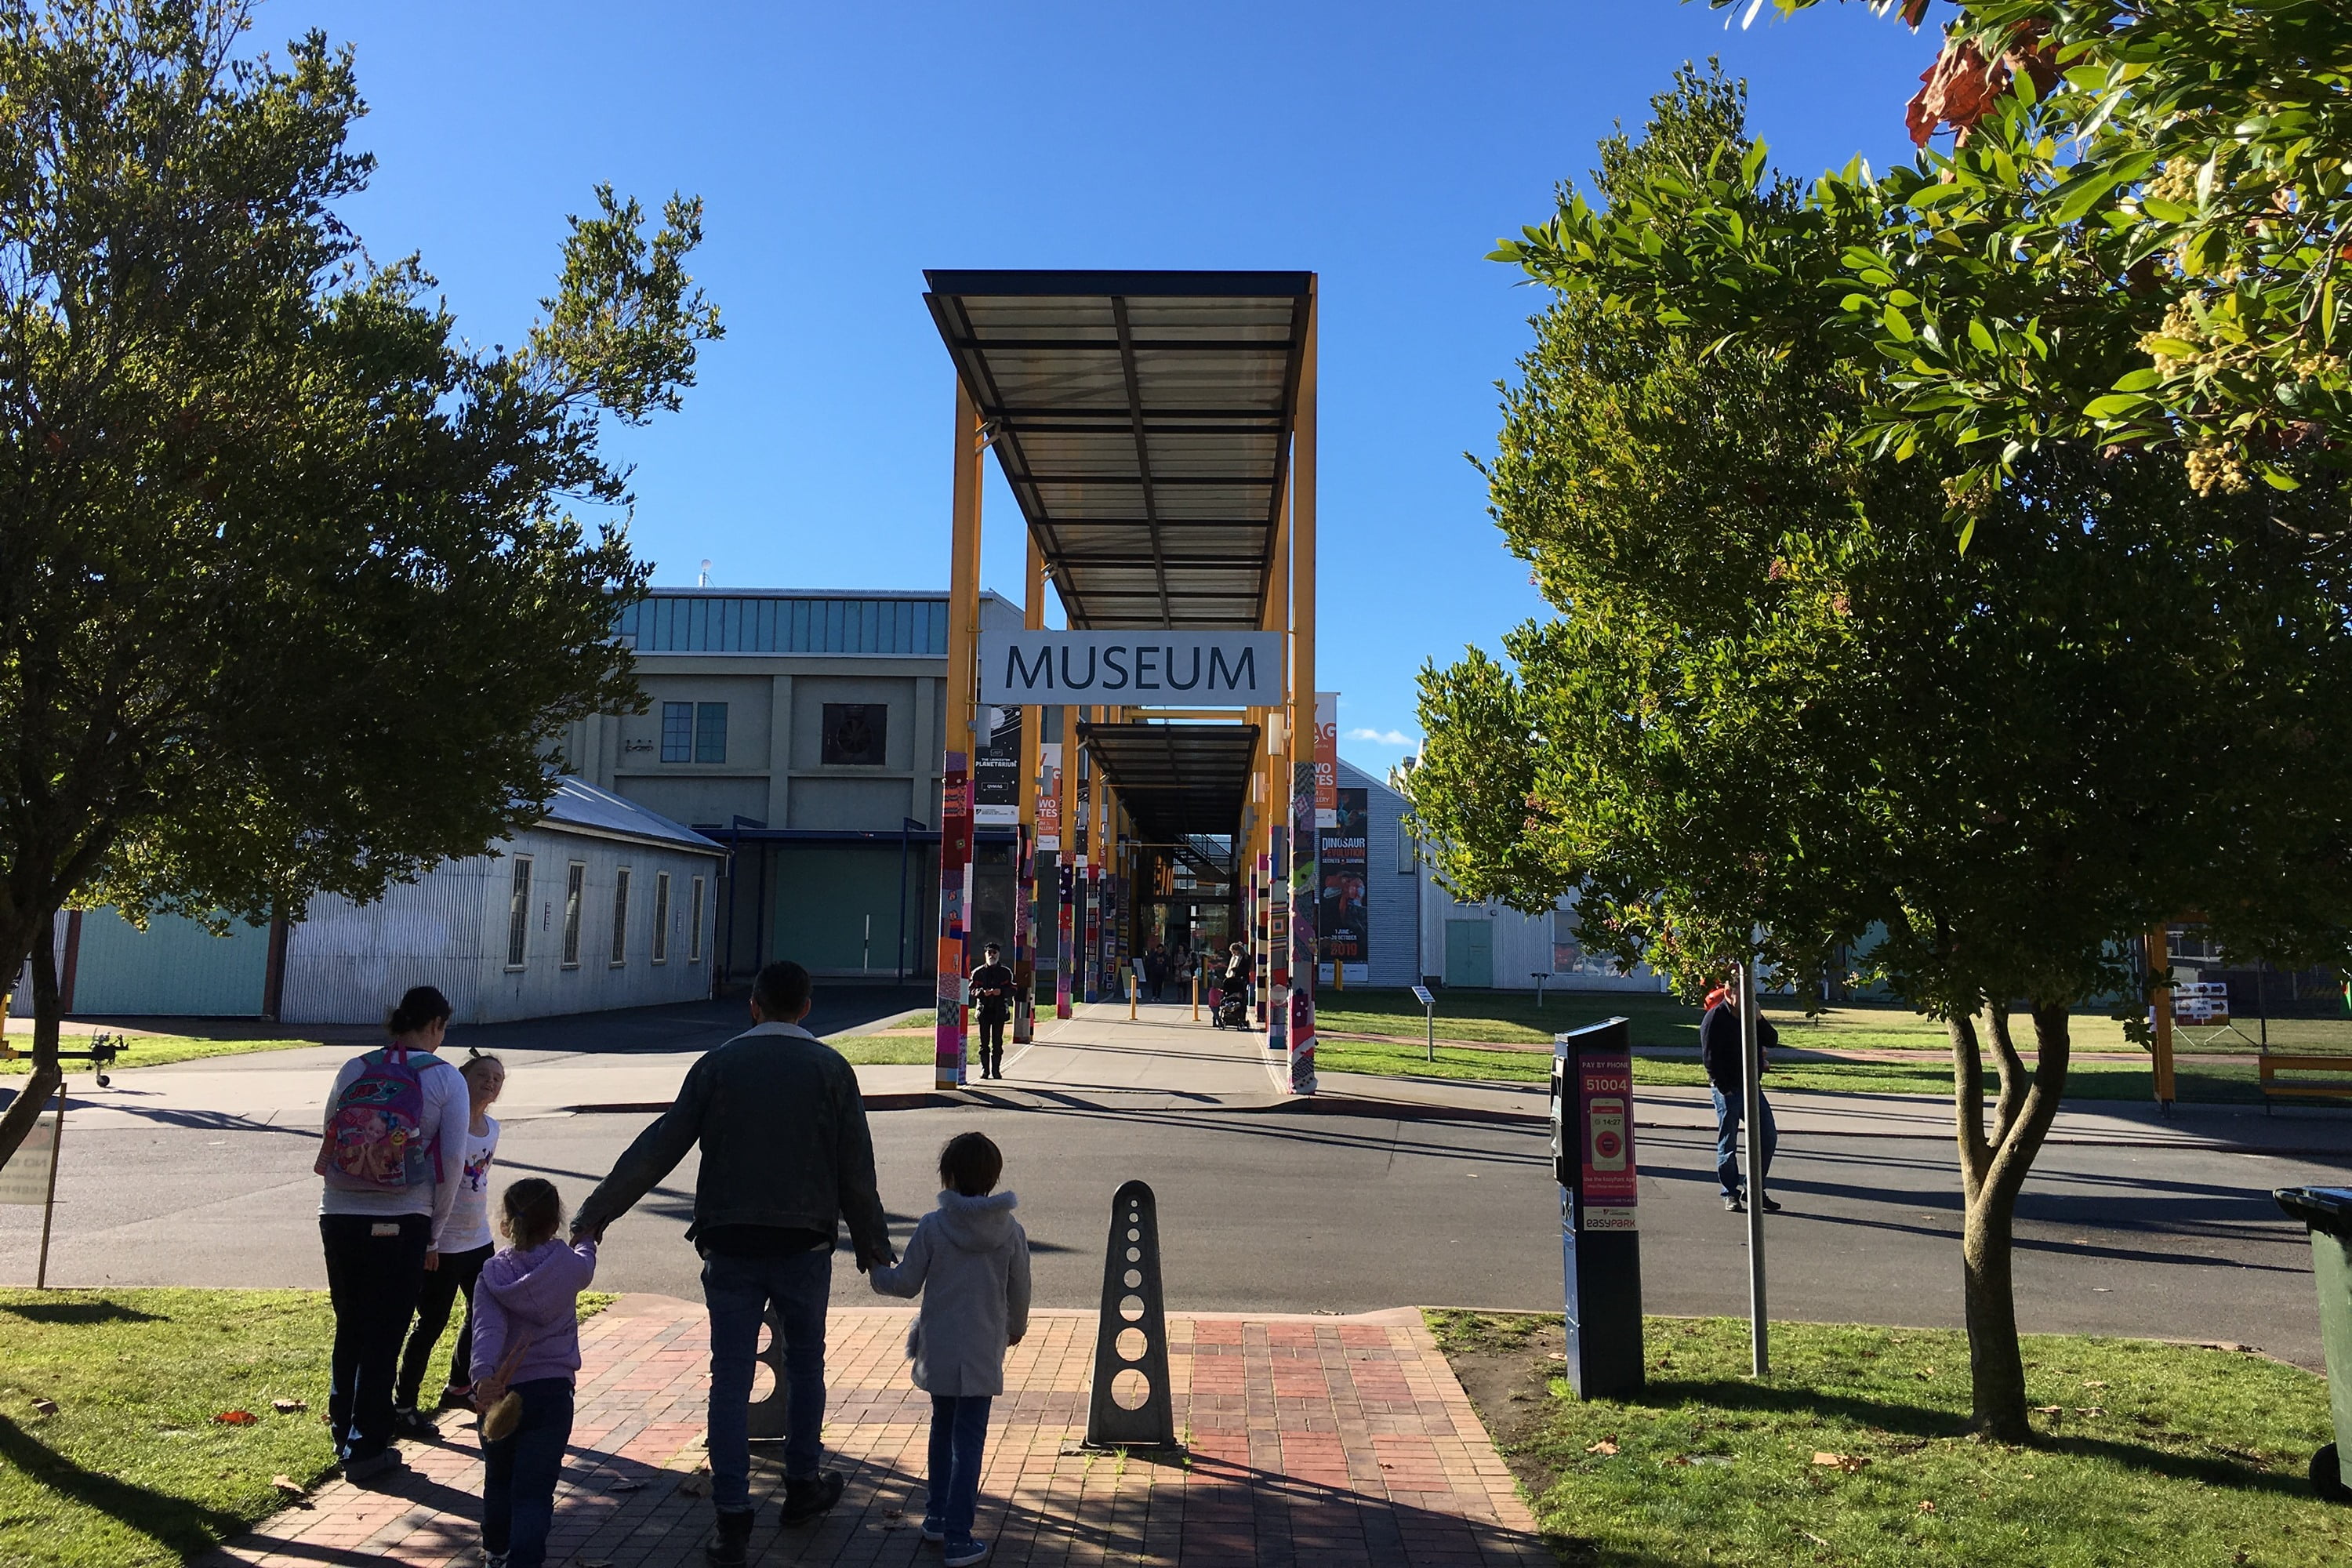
(1431, 1021)
(49, 1204)
(1752, 1098)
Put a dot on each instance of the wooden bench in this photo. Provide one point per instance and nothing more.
(2271, 1066)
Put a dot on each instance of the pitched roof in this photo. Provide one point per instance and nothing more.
(579, 807)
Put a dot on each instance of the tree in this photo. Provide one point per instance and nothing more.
(289, 599)
(1774, 695)
(2136, 240)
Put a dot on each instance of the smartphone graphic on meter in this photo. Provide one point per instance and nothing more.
(1605, 1118)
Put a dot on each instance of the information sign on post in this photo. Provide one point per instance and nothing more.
(1601, 1242)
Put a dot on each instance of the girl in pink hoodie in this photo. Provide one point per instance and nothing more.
(527, 1343)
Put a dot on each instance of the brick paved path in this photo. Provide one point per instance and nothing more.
(1312, 1443)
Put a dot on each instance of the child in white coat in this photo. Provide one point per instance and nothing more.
(969, 1260)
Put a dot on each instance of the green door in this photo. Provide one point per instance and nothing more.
(1470, 953)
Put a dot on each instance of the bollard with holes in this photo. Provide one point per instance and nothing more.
(765, 1419)
(1131, 1407)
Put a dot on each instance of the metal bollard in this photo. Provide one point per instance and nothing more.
(765, 1419)
(1131, 1338)
(1131, 989)
(1196, 997)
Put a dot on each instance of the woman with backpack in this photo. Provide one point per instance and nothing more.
(394, 1141)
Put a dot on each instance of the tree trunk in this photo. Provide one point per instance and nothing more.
(48, 1072)
(1996, 1366)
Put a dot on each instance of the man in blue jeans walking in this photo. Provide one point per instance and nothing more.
(785, 1156)
(1720, 1052)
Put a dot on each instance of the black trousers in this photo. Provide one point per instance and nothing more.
(991, 1043)
(456, 1276)
(375, 1268)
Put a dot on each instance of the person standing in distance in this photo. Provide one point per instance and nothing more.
(392, 1161)
(786, 1156)
(1720, 1052)
(991, 1006)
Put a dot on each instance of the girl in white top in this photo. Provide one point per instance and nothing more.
(465, 1245)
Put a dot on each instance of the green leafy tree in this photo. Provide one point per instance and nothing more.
(2137, 239)
(289, 601)
(1773, 696)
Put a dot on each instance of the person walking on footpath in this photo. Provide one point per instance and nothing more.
(969, 1260)
(465, 1245)
(1720, 1053)
(786, 1155)
(526, 1353)
(1155, 968)
(992, 1004)
(391, 1161)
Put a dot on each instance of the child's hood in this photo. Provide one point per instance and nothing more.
(540, 1284)
(977, 1224)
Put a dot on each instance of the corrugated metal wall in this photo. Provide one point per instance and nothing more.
(348, 963)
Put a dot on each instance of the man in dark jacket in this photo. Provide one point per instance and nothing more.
(786, 1155)
(1720, 1051)
(992, 988)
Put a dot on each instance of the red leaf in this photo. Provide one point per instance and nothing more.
(237, 1418)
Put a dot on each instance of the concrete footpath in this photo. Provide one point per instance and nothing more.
(1335, 1442)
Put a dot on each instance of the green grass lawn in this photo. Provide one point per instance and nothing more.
(147, 1051)
(2203, 1083)
(2154, 1453)
(870, 1051)
(131, 1471)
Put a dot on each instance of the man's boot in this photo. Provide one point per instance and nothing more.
(806, 1497)
(730, 1542)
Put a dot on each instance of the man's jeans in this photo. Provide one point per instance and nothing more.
(1726, 1141)
(520, 1472)
(958, 1433)
(372, 1281)
(738, 1291)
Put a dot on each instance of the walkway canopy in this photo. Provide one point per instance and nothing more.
(1143, 420)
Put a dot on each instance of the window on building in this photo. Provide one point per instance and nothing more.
(855, 733)
(677, 732)
(661, 917)
(694, 925)
(1408, 860)
(621, 917)
(710, 731)
(518, 913)
(575, 889)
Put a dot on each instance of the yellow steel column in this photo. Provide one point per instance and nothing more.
(1305, 949)
(956, 716)
(1027, 891)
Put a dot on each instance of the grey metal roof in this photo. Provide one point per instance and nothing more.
(581, 806)
(1143, 420)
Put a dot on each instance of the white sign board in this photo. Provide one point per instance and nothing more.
(24, 1179)
(1141, 668)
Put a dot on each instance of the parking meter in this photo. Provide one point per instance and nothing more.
(1601, 1245)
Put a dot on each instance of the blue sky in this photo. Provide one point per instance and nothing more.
(842, 149)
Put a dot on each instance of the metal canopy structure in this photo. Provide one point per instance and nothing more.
(1143, 420)
(1177, 780)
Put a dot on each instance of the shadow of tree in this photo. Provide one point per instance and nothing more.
(98, 1311)
(177, 1524)
(1738, 1394)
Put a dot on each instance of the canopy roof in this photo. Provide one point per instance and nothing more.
(1177, 779)
(1144, 421)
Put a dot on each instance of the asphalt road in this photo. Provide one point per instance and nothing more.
(1310, 1211)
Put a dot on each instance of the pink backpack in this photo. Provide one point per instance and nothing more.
(376, 1133)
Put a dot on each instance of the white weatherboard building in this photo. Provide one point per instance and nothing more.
(601, 904)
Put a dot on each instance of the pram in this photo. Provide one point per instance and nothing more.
(1233, 1011)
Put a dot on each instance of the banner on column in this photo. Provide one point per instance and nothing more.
(997, 779)
(1345, 918)
(1049, 797)
(955, 858)
(1327, 757)
(1305, 877)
